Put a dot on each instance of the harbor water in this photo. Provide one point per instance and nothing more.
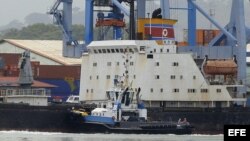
(48, 136)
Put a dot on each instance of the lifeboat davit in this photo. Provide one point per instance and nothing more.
(220, 67)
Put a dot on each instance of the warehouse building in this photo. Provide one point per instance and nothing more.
(48, 64)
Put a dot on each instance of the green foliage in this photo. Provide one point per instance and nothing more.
(42, 32)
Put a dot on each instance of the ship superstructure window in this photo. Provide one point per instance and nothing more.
(117, 50)
(204, 90)
(175, 90)
(109, 64)
(181, 76)
(154, 50)
(161, 50)
(94, 64)
(167, 50)
(108, 50)
(92, 90)
(175, 64)
(157, 64)
(131, 63)
(121, 50)
(99, 50)
(218, 90)
(104, 50)
(97, 77)
(161, 90)
(151, 90)
(172, 76)
(194, 77)
(87, 90)
(95, 51)
(131, 50)
(142, 48)
(108, 76)
(150, 56)
(191, 90)
(117, 63)
(134, 76)
(90, 77)
(157, 76)
(113, 50)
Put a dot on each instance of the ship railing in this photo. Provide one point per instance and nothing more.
(25, 92)
(236, 95)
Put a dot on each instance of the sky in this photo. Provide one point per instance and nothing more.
(19, 9)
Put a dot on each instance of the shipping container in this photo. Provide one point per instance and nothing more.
(63, 89)
(57, 72)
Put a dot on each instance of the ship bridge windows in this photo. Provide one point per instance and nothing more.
(191, 91)
(95, 51)
(121, 50)
(204, 90)
(172, 76)
(131, 50)
(117, 50)
(218, 90)
(108, 50)
(175, 90)
(104, 50)
(175, 64)
(113, 50)
(99, 50)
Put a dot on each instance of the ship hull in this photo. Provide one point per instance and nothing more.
(84, 127)
(57, 118)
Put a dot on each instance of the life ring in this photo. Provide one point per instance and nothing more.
(165, 32)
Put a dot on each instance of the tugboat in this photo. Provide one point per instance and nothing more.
(122, 114)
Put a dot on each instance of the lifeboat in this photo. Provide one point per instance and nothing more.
(220, 67)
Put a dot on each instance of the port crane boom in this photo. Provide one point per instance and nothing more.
(63, 18)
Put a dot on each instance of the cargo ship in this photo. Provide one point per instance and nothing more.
(204, 84)
(125, 112)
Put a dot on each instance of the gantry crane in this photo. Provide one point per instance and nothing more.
(63, 18)
(233, 34)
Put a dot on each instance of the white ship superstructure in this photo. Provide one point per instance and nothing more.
(166, 78)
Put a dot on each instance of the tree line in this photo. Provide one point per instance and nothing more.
(42, 31)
